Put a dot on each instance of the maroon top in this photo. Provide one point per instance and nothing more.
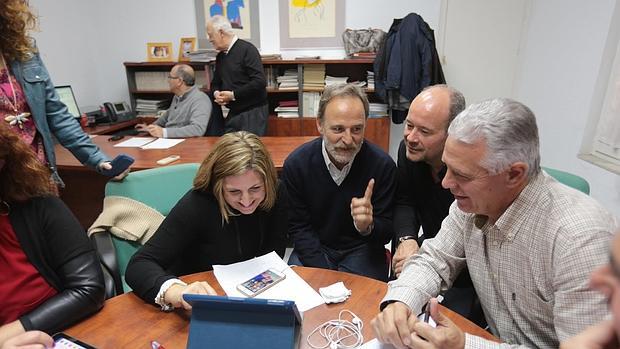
(21, 285)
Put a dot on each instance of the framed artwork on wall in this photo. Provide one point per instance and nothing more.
(159, 51)
(311, 24)
(242, 14)
(186, 45)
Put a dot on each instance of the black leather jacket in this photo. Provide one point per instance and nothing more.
(59, 249)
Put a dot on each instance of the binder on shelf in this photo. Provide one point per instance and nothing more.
(232, 322)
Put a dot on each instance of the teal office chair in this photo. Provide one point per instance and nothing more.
(160, 188)
(569, 179)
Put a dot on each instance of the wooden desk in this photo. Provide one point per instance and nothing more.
(127, 322)
(84, 188)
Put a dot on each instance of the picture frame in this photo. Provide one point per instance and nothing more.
(159, 52)
(248, 10)
(186, 45)
(325, 24)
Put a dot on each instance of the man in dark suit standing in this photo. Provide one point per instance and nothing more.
(239, 81)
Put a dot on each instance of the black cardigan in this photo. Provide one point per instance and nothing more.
(241, 71)
(193, 238)
(57, 246)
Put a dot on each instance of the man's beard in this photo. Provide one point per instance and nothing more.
(340, 153)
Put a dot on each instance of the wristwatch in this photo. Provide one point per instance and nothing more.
(406, 237)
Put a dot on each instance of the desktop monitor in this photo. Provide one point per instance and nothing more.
(65, 93)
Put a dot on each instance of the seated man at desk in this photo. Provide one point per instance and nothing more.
(341, 190)
(189, 113)
(530, 242)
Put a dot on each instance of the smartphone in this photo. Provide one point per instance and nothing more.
(260, 282)
(119, 164)
(64, 341)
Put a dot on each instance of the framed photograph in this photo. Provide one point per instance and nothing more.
(159, 51)
(186, 45)
(311, 24)
(242, 14)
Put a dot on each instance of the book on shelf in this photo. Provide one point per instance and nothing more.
(289, 80)
(363, 55)
(307, 57)
(310, 102)
(287, 109)
(267, 56)
(202, 55)
(335, 80)
(314, 75)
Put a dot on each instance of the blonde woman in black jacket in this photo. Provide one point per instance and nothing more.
(235, 211)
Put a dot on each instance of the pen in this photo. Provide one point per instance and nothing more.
(156, 345)
(427, 312)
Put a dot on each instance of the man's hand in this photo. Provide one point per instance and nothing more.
(405, 250)
(599, 336)
(106, 165)
(174, 294)
(445, 336)
(361, 209)
(394, 325)
(29, 340)
(155, 131)
(141, 127)
(223, 97)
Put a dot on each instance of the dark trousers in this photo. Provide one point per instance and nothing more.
(365, 260)
(253, 120)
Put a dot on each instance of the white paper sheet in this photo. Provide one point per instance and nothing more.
(162, 143)
(293, 287)
(135, 142)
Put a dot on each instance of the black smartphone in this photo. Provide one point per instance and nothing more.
(119, 164)
(64, 341)
(115, 138)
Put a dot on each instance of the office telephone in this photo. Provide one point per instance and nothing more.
(116, 111)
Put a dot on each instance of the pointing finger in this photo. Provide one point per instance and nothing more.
(369, 188)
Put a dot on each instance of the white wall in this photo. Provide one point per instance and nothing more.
(559, 64)
(559, 68)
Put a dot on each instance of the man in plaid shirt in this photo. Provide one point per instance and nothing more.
(530, 243)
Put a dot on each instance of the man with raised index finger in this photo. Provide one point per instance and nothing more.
(341, 191)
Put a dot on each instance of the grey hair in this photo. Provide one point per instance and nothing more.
(457, 100)
(509, 130)
(342, 90)
(186, 73)
(221, 23)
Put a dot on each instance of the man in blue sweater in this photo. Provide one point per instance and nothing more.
(341, 191)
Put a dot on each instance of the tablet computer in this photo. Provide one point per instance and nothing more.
(235, 322)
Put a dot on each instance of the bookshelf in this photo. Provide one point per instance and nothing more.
(378, 129)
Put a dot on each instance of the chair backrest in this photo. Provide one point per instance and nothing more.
(569, 179)
(160, 188)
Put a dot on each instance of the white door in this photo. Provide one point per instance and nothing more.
(479, 42)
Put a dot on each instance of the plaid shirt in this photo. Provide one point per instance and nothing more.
(530, 269)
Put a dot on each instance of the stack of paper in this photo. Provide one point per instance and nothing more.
(314, 76)
(151, 106)
(378, 110)
(202, 55)
(287, 109)
(335, 80)
(371, 79)
(289, 80)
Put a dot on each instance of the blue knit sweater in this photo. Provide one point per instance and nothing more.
(320, 210)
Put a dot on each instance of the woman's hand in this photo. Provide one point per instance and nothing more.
(174, 295)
